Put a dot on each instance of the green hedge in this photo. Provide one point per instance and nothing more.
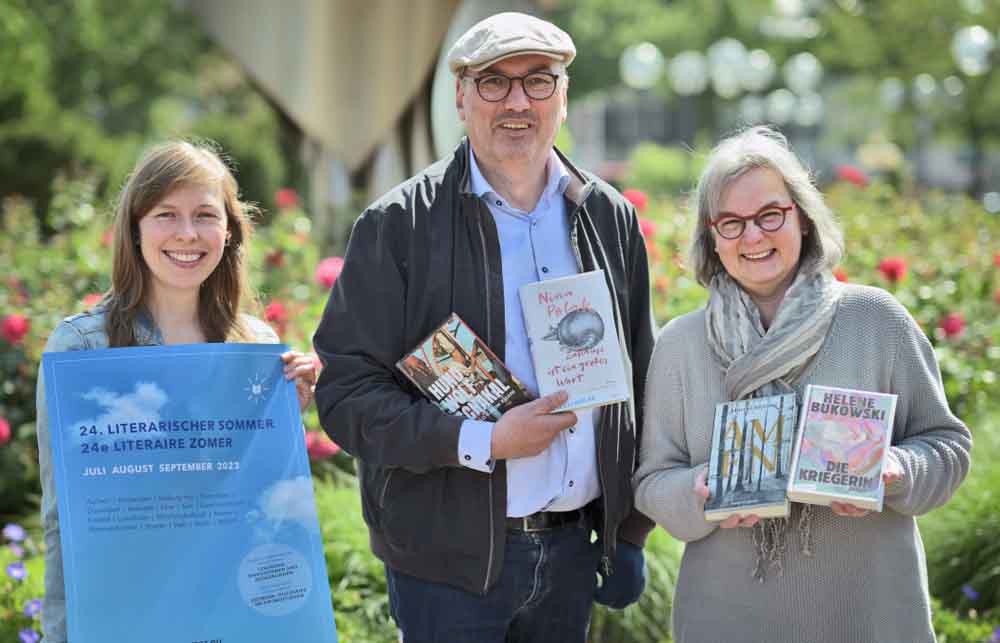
(357, 579)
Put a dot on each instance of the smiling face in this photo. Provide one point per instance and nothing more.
(182, 239)
(763, 263)
(516, 129)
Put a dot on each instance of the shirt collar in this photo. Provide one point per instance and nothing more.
(557, 178)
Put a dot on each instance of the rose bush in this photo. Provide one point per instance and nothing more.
(937, 254)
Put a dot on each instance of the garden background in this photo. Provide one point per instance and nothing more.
(85, 86)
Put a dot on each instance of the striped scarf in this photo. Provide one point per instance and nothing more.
(758, 363)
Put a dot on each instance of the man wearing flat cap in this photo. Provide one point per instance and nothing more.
(507, 530)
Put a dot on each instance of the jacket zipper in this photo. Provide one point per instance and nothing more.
(605, 559)
(489, 337)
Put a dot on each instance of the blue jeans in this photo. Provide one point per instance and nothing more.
(544, 595)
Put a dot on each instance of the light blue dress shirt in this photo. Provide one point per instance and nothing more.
(534, 246)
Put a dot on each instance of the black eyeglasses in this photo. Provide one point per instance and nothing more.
(493, 88)
(770, 218)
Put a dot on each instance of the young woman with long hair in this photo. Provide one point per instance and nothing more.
(178, 277)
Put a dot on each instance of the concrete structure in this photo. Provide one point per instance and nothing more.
(364, 80)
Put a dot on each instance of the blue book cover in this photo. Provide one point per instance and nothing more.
(185, 498)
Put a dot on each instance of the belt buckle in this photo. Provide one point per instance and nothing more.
(528, 525)
(546, 521)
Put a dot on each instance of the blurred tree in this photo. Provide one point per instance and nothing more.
(906, 38)
(602, 29)
(857, 38)
(85, 85)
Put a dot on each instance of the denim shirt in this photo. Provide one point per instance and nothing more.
(85, 331)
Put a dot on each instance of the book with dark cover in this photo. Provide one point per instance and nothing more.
(574, 343)
(456, 371)
(842, 443)
(749, 462)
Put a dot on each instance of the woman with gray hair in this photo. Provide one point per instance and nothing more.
(764, 245)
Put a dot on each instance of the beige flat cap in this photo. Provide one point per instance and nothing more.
(509, 34)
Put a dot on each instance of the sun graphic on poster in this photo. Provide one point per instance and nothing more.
(256, 389)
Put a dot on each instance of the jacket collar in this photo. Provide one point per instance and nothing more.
(577, 189)
(147, 333)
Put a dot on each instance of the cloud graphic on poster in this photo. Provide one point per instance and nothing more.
(290, 500)
(143, 404)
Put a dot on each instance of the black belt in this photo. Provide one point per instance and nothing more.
(542, 520)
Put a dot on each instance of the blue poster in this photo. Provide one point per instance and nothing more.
(185, 498)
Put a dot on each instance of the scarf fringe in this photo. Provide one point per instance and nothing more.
(770, 541)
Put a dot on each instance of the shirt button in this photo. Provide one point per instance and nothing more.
(571, 483)
(572, 429)
(545, 269)
(468, 457)
(499, 202)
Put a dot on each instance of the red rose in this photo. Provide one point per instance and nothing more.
(276, 259)
(996, 260)
(91, 300)
(328, 270)
(893, 268)
(648, 227)
(14, 327)
(662, 283)
(4, 430)
(637, 198)
(840, 274)
(319, 446)
(275, 312)
(107, 237)
(851, 174)
(952, 325)
(286, 198)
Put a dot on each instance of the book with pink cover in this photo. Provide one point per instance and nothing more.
(841, 447)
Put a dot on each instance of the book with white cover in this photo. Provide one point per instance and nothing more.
(574, 340)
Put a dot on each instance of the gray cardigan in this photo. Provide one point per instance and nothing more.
(866, 580)
(77, 333)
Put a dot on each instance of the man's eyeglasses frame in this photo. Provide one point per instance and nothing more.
(510, 85)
